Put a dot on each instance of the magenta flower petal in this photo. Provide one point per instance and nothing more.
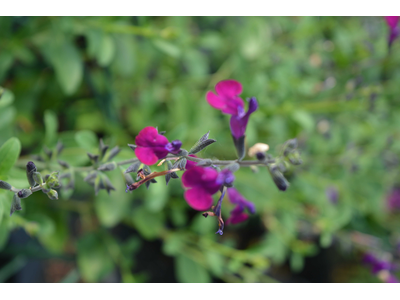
(392, 21)
(189, 163)
(152, 146)
(229, 88)
(145, 156)
(198, 198)
(149, 137)
(206, 178)
(236, 198)
(227, 99)
(238, 123)
(237, 216)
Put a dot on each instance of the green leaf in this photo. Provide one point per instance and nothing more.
(148, 224)
(9, 154)
(94, 261)
(51, 126)
(188, 271)
(7, 98)
(67, 64)
(7, 115)
(86, 139)
(2, 201)
(168, 48)
(107, 51)
(125, 54)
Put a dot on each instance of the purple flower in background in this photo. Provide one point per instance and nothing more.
(393, 27)
(237, 214)
(393, 200)
(380, 267)
(152, 146)
(228, 101)
(332, 194)
(203, 183)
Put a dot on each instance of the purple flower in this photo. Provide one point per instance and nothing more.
(239, 122)
(202, 184)
(152, 146)
(393, 27)
(377, 264)
(391, 279)
(393, 200)
(237, 214)
(228, 101)
(332, 194)
(189, 163)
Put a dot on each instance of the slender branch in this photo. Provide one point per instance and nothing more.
(245, 163)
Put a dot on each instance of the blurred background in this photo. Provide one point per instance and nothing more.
(331, 82)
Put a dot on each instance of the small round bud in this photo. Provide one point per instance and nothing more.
(24, 193)
(53, 195)
(258, 148)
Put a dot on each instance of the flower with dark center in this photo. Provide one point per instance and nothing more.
(152, 146)
(237, 214)
(394, 29)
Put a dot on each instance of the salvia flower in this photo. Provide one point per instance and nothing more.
(394, 29)
(152, 146)
(228, 101)
(237, 214)
(202, 184)
(377, 264)
(393, 200)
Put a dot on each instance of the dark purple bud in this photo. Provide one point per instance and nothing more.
(24, 193)
(30, 169)
(174, 146)
(260, 156)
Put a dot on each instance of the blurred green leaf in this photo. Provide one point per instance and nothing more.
(188, 271)
(51, 126)
(67, 64)
(86, 139)
(9, 153)
(94, 261)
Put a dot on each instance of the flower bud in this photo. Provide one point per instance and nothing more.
(107, 167)
(174, 146)
(103, 148)
(37, 177)
(4, 185)
(59, 148)
(15, 205)
(46, 188)
(294, 157)
(113, 152)
(53, 181)
(258, 150)
(278, 178)
(93, 158)
(30, 169)
(24, 193)
(289, 146)
(53, 195)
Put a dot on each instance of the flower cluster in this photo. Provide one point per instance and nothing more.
(203, 178)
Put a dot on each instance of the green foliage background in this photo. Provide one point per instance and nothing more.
(329, 81)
